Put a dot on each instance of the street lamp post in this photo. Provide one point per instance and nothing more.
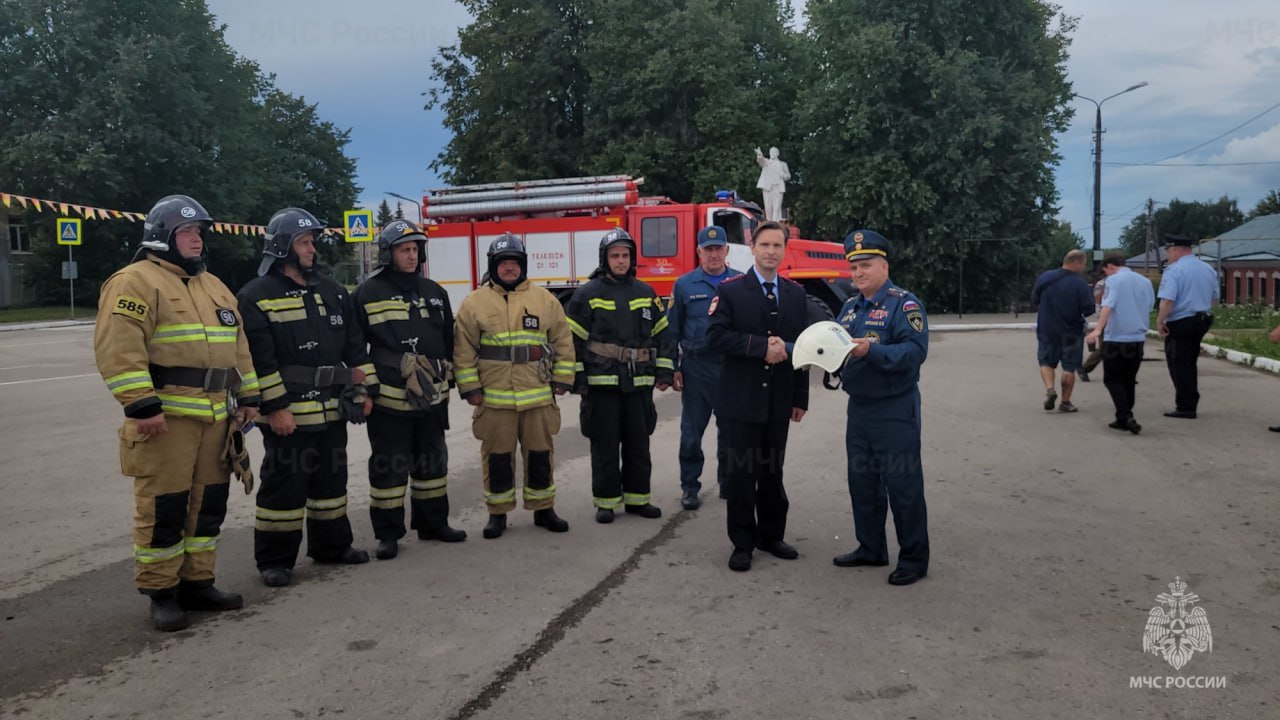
(1097, 164)
(417, 204)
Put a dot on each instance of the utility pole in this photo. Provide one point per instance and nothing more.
(1151, 235)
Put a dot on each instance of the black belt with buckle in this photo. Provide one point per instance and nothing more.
(207, 379)
(518, 354)
(320, 377)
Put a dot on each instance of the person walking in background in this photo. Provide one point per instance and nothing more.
(1122, 325)
(1064, 302)
(1188, 291)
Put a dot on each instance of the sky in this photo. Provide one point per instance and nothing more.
(1210, 66)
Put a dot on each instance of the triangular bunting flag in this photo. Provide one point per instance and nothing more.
(5, 198)
(22, 200)
(35, 202)
(63, 207)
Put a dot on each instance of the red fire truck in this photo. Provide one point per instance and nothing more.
(561, 222)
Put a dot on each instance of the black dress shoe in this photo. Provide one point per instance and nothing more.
(1132, 426)
(853, 559)
(202, 595)
(690, 501)
(349, 556)
(604, 516)
(903, 576)
(740, 561)
(166, 614)
(645, 511)
(1183, 414)
(276, 577)
(443, 533)
(1118, 425)
(495, 527)
(779, 549)
(724, 494)
(387, 549)
(548, 519)
(1274, 428)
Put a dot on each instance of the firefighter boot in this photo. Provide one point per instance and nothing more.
(604, 516)
(440, 530)
(387, 549)
(645, 511)
(202, 595)
(496, 526)
(166, 614)
(550, 520)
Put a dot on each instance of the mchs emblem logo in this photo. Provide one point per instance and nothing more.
(1175, 629)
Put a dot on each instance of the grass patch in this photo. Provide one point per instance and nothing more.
(1252, 341)
(1237, 317)
(43, 314)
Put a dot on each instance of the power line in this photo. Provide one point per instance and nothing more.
(1209, 164)
(1217, 138)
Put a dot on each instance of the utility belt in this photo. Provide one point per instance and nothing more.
(207, 379)
(619, 353)
(1205, 318)
(392, 358)
(516, 354)
(323, 376)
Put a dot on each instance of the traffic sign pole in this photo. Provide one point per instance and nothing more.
(71, 277)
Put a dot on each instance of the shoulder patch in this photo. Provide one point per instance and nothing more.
(911, 305)
(130, 307)
(715, 303)
(916, 321)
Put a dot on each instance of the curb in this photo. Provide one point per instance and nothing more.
(9, 327)
(970, 327)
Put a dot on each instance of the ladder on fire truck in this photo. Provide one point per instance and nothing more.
(531, 197)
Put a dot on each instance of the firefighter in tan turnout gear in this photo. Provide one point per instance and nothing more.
(316, 377)
(408, 322)
(513, 353)
(169, 343)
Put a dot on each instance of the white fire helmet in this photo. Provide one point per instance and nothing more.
(823, 344)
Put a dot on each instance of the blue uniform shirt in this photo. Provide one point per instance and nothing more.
(1192, 285)
(689, 313)
(895, 320)
(1130, 297)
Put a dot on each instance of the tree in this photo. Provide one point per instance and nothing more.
(1268, 205)
(399, 211)
(125, 101)
(933, 122)
(1199, 220)
(384, 215)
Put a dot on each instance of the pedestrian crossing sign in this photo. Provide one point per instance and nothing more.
(68, 231)
(358, 224)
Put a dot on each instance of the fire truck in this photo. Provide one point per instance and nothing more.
(561, 222)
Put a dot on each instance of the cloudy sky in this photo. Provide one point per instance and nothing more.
(1211, 66)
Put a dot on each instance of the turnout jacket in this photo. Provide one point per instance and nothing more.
(514, 345)
(153, 316)
(405, 313)
(627, 315)
(302, 327)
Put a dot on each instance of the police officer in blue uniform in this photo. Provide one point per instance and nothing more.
(698, 367)
(755, 320)
(1188, 291)
(882, 376)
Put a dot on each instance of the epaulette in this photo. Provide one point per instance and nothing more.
(897, 292)
(793, 282)
(735, 277)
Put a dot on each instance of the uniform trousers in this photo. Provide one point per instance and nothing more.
(1181, 351)
(757, 502)
(619, 424)
(408, 453)
(701, 376)
(304, 475)
(499, 431)
(882, 439)
(1120, 364)
(180, 490)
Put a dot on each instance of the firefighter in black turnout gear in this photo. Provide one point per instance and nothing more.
(408, 323)
(618, 325)
(315, 376)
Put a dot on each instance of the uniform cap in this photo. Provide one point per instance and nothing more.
(712, 235)
(865, 243)
(1179, 240)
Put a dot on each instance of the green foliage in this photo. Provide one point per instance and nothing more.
(1196, 219)
(1253, 342)
(383, 215)
(1248, 315)
(119, 103)
(1268, 205)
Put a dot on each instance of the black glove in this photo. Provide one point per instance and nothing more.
(351, 404)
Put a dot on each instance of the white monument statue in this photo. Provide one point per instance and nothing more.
(773, 181)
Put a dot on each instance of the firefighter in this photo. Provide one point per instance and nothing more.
(513, 353)
(170, 346)
(408, 323)
(618, 325)
(315, 377)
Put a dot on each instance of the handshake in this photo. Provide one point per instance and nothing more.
(776, 351)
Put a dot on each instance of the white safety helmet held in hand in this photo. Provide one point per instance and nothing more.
(823, 344)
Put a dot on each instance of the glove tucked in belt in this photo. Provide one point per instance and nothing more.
(420, 373)
(351, 404)
(237, 455)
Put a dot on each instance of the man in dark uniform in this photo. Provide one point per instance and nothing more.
(698, 368)
(315, 376)
(623, 351)
(408, 322)
(755, 319)
(882, 437)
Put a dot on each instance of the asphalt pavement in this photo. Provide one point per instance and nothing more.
(1052, 535)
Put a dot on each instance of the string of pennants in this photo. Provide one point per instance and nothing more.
(97, 213)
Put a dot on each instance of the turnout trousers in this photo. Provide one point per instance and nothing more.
(619, 424)
(757, 502)
(304, 477)
(700, 378)
(882, 438)
(408, 453)
(499, 432)
(1120, 364)
(1181, 351)
(180, 490)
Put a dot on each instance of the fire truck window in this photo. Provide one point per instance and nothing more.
(658, 237)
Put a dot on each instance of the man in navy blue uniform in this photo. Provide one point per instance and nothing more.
(698, 367)
(755, 320)
(882, 376)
